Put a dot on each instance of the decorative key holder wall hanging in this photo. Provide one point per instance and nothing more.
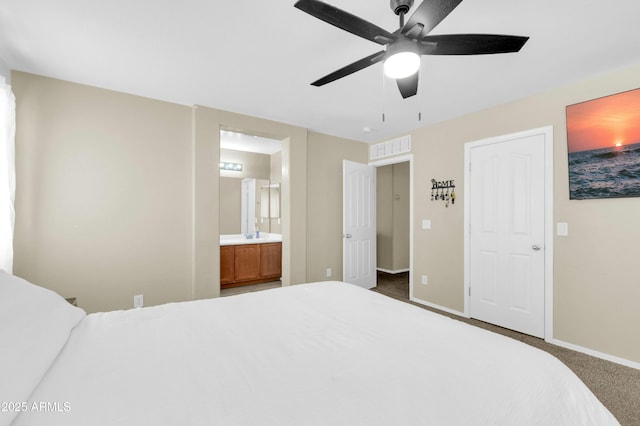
(443, 190)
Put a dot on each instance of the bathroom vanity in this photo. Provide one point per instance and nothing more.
(246, 261)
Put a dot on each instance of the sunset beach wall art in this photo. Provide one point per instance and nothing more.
(603, 138)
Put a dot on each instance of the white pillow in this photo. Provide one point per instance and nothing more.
(35, 324)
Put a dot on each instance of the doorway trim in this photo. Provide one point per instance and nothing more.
(396, 160)
(547, 132)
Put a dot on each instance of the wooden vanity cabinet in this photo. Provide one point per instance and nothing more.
(250, 264)
(271, 260)
(247, 262)
(227, 269)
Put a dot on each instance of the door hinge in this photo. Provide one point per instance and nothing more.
(469, 291)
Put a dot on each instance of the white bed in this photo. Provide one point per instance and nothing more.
(315, 354)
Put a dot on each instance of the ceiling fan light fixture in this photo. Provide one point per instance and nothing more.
(402, 65)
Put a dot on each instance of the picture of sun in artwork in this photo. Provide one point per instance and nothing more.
(603, 140)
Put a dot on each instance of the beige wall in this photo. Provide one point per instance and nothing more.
(392, 215)
(596, 284)
(103, 194)
(275, 225)
(230, 205)
(118, 194)
(324, 203)
(205, 154)
(254, 165)
(384, 217)
(401, 207)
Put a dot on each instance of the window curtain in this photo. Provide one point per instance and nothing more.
(7, 174)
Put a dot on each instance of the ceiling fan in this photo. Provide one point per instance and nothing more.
(404, 46)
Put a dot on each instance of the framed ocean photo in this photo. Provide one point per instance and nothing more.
(603, 141)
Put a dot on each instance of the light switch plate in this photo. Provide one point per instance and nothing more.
(426, 224)
(562, 229)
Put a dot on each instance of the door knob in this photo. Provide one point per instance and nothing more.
(346, 235)
(536, 247)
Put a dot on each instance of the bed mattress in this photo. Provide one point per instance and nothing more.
(325, 353)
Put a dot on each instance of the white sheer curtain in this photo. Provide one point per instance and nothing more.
(7, 174)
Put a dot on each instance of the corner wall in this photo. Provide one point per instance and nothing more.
(324, 202)
(117, 195)
(596, 270)
(103, 197)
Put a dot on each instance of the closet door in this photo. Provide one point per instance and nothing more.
(507, 234)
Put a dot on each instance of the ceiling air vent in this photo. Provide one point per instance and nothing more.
(393, 147)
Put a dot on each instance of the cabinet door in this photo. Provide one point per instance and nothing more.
(247, 262)
(226, 264)
(271, 260)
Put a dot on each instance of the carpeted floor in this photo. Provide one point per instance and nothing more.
(617, 386)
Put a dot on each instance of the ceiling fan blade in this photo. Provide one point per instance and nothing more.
(408, 86)
(429, 14)
(351, 68)
(345, 21)
(471, 44)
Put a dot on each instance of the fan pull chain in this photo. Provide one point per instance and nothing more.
(383, 93)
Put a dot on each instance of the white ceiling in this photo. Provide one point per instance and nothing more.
(258, 57)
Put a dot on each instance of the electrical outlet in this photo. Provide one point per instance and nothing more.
(425, 280)
(329, 272)
(138, 301)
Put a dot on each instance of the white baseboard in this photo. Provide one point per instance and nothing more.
(597, 354)
(396, 271)
(577, 348)
(438, 307)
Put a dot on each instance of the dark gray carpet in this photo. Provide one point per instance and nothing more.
(617, 386)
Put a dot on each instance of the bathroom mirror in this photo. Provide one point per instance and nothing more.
(243, 205)
(270, 205)
(250, 174)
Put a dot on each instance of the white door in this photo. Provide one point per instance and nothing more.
(359, 224)
(507, 233)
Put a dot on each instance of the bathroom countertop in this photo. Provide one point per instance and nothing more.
(238, 239)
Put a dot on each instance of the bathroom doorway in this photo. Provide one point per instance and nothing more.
(249, 212)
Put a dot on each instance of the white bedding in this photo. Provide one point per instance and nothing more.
(316, 354)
